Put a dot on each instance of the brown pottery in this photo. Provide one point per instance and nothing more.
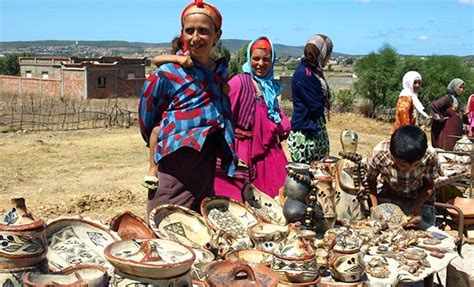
(130, 226)
(240, 274)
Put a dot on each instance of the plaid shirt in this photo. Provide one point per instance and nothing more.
(188, 104)
(405, 184)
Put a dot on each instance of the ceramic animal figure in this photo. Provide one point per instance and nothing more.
(349, 141)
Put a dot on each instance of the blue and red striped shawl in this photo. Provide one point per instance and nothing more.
(188, 104)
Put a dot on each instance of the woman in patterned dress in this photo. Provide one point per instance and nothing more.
(308, 140)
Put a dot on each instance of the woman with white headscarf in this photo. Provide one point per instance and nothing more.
(308, 140)
(408, 104)
(447, 117)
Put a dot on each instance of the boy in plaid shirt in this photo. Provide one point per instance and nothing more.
(408, 168)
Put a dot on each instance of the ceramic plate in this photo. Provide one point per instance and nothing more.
(263, 205)
(73, 241)
(227, 214)
(178, 223)
(150, 258)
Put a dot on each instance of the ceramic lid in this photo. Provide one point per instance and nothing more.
(239, 274)
(223, 213)
(145, 257)
(181, 224)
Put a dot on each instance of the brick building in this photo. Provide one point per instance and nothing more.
(87, 78)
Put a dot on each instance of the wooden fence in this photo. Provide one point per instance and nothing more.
(37, 113)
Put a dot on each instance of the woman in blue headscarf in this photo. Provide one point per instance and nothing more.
(260, 126)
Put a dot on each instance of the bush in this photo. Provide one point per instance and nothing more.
(345, 97)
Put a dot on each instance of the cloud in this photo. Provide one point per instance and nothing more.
(423, 38)
(466, 2)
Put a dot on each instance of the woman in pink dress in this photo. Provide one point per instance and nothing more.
(260, 126)
(470, 115)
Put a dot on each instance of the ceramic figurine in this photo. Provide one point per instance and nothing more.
(22, 238)
(393, 216)
(266, 236)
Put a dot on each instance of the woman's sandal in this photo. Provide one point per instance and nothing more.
(150, 182)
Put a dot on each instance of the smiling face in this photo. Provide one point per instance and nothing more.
(200, 35)
(261, 62)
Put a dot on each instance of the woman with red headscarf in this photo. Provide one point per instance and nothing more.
(260, 126)
(193, 113)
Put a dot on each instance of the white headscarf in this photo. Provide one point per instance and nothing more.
(408, 79)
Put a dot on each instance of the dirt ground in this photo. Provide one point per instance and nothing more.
(97, 173)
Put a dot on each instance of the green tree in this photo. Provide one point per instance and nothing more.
(236, 62)
(9, 65)
(221, 51)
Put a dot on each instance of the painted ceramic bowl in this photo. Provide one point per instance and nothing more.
(222, 213)
(130, 226)
(267, 236)
(295, 270)
(13, 277)
(239, 274)
(267, 208)
(203, 258)
(150, 258)
(251, 255)
(73, 241)
(22, 238)
(180, 224)
(126, 280)
(80, 275)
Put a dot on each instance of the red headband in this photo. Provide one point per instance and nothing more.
(199, 7)
(262, 43)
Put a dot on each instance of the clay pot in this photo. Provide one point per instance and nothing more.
(348, 207)
(295, 188)
(178, 223)
(265, 207)
(326, 218)
(267, 236)
(252, 256)
(144, 257)
(126, 280)
(78, 240)
(239, 274)
(130, 226)
(22, 238)
(346, 264)
(80, 275)
(13, 277)
(294, 210)
(203, 259)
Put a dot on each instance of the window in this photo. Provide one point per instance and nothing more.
(44, 75)
(28, 74)
(101, 82)
(131, 75)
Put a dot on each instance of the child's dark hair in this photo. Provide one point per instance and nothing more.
(176, 45)
(408, 143)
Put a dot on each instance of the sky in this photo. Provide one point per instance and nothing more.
(419, 27)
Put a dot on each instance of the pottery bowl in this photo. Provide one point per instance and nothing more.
(130, 226)
(126, 280)
(13, 277)
(20, 247)
(150, 258)
(267, 236)
(222, 213)
(295, 270)
(228, 273)
(180, 224)
(80, 275)
(73, 241)
(252, 256)
(265, 207)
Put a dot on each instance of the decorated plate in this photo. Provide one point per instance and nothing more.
(263, 205)
(178, 223)
(150, 258)
(73, 241)
(223, 213)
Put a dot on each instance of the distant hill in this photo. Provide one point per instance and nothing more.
(232, 44)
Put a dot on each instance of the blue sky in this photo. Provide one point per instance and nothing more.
(422, 27)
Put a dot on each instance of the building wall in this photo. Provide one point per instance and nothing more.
(74, 84)
(20, 86)
(10, 84)
(94, 91)
(130, 88)
(37, 71)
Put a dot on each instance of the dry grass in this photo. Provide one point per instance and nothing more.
(97, 172)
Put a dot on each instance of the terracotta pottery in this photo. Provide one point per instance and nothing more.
(222, 213)
(252, 256)
(144, 257)
(267, 208)
(346, 261)
(126, 280)
(130, 226)
(326, 201)
(180, 224)
(13, 277)
(266, 236)
(80, 275)
(22, 238)
(467, 207)
(199, 266)
(314, 283)
(240, 274)
(77, 240)
(348, 206)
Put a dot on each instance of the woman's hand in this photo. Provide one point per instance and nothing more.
(185, 60)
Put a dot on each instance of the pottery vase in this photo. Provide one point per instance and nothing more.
(347, 265)
(325, 215)
(22, 238)
(348, 206)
